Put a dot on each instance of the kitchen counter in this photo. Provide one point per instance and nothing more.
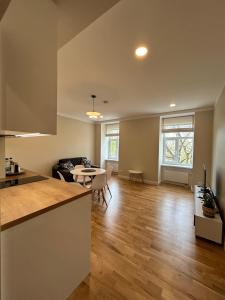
(45, 238)
(19, 203)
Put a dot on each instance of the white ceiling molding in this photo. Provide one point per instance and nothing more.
(170, 113)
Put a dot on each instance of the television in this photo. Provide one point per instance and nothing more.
(204, 178)
(204, 188)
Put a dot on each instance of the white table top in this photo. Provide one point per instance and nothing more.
(78, 172)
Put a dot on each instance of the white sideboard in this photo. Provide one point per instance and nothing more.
(208, 228)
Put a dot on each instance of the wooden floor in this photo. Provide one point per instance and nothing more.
(143, 248)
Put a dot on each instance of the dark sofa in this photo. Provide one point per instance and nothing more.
(60, 166)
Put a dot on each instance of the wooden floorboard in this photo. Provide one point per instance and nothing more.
(144, 247)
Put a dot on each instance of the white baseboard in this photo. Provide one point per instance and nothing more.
(145, 180)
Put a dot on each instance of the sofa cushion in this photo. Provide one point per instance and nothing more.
(67, 165)
(74, 160)
(86, 162)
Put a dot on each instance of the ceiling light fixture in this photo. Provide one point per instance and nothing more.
(93, 114)
(172, 105)
(141, 51)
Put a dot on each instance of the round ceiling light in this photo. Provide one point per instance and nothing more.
(141, 51)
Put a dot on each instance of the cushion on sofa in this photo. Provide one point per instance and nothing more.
(74, 160)
(67, 165)
(86, 162)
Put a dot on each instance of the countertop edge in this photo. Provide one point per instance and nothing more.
(42, 211)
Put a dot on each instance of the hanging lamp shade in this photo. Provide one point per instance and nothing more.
(93, 114)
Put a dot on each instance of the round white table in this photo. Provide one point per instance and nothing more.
(81, 172)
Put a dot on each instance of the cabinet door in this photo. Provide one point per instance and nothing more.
(2, 101)
(29, 67)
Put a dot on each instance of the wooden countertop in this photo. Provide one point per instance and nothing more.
(22, 202)
(27, 173)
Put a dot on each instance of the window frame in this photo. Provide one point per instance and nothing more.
(176, 161)
(177, 125)
(110, 139)
(112, 134)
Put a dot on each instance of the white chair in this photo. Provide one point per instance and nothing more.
(81, 179)
(63, 179)
(98, 184)
(61, 176)
(108, 176)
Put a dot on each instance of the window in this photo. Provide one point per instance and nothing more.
(112, 140)
(178, 141)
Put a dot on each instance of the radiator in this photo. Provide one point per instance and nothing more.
(179, 176)
(113, 164)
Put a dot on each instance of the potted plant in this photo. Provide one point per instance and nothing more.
(208, 205)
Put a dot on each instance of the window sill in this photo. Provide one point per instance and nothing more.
(177, 167)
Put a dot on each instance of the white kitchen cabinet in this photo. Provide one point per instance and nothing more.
(29, 67)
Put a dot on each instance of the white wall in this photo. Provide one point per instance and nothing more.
(2, 157)
(218, 180)
(2, 100)
(98, 144)
(203, 146)
(139, 147)
(74, 138)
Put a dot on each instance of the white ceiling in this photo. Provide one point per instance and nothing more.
(185, 65)
(75, 15)
(3, 7)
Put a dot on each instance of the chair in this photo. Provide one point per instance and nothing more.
(63, 179)
(98, 184)
(61, 176)
(81, 179)
(108, 176)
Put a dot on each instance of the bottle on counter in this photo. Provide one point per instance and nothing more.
(12, 165)
(16, 167)
(7, 165)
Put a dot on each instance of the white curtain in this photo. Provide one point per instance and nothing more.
(178, 124)
(112, 129)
